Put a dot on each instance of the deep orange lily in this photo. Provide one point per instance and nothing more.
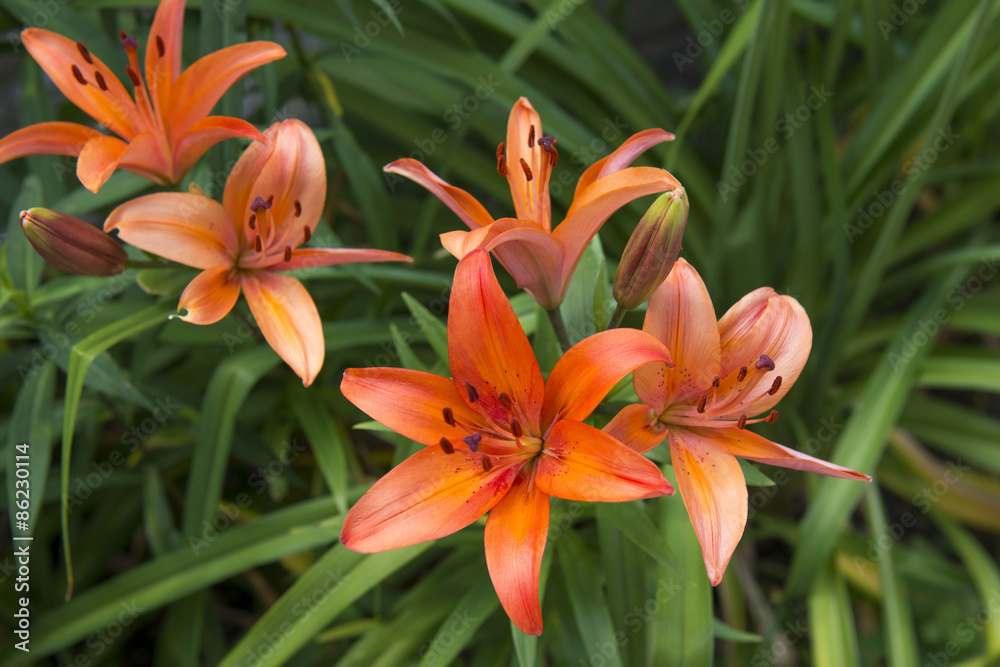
(499, 438)
(725, 373)
(272, 201)
(164, 129)
(540, 259)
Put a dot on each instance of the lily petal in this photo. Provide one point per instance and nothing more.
(622, 156)
(515, 541)
(201, 85)
(531, 197)
(579, 462)
(533, 257)
(762, 322)
(149, 157)
(288, 318)
(714, 491)
(487, 348)
(681, 315)
(203, 135)
(427, 496)
(594, 205)
(464, 205)
(590, 369)
(210, 296)
(752, 446)
(55, 138)
(308, 258)
(58, 56)
(187, 228)
(162, 70)
(412, 404)
(290, 168)
(635, 426)
(98, 160)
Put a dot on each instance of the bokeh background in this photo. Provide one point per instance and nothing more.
(845, 153)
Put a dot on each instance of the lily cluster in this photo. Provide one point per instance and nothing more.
(497, 436)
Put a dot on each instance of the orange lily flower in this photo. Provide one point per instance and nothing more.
(725, 373)
(272, 201)
(540, 259)
(499, 438)
(164, 129)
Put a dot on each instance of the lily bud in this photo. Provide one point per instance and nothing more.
(71, 244)
(652, 250)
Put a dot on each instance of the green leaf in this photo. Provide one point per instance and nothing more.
(834, 640)
(635, 524)
(24, 264)
(459, 628)
(327, 438)
(166, 281)
(430, 326)
(752, 475)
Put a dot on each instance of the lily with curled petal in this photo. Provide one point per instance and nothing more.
(542, 259)
(498, 438)
(726, 372)
(272, 201)
(164, 128)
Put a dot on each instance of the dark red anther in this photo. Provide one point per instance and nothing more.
(716, 381)
(741, 423)
(487, 463)
(701, 403)
(771, 418)
(308, 235)
(527, 169)
(160, 49)
(100, 80)
(122, 34)
(257, 244)
(85, 53)
(270, 200)
(78, 75)
(133, 77)
(505, 400)
(472, 441)
(502, 160)
(548, 145)
(288, 253)
(253, 220)
(742, 375)
(449, 416)
(473, 394)
(775, 386)
(531, 137)
(128, 41)
(446, 446)
(765, 363)
(298, 208)
(259, 203)
(515, 428)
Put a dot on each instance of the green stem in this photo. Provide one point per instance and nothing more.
(560, 328)
(617, 316)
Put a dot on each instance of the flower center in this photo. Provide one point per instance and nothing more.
(717, 401)
(263, 235)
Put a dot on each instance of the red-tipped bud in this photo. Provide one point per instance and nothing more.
(652, 250)
(71, 244)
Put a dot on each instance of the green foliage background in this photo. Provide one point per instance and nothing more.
(842, 152)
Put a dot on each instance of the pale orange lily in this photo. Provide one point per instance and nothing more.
(726, 374)
(499, 439)
(272, 201)
(540, 259)
(164, 129)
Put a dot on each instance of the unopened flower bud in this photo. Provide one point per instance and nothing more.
(652, 250)
(71, 244)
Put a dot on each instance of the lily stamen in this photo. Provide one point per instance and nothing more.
(85, 53)
(78, 75)
(473, 394)
(473, 441)
(527, 169)
(446, 446)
